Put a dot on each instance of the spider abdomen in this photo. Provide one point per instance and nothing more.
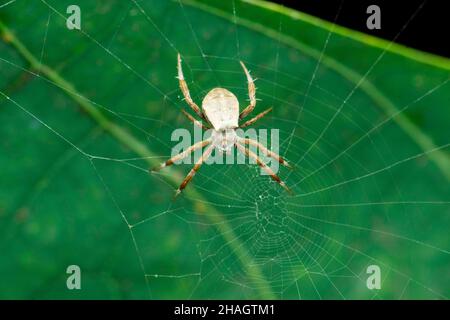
(221, 107)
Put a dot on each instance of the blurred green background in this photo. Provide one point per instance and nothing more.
(365, 121)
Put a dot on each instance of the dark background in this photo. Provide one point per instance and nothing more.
(427, 31)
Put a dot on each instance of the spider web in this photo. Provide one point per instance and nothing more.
(358, 181)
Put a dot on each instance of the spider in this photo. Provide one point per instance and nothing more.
(220, 110)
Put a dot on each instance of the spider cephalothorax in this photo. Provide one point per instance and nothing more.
(220, 110)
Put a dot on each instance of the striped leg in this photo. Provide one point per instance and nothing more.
(272, 174)
(194, 170)
(266, 151)
(194, 121)
(182, 155)
(185, 90)
(256, 118)
(251, 93)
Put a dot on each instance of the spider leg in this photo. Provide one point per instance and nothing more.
(251, 93)
(185, 90)
(182, 155)
(195, 121)
(266, 151)
(256, 118)
(194, 170)
(272, 174)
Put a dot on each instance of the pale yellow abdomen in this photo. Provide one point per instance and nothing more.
(221, 107)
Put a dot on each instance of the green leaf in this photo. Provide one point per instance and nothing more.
(85, 113)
